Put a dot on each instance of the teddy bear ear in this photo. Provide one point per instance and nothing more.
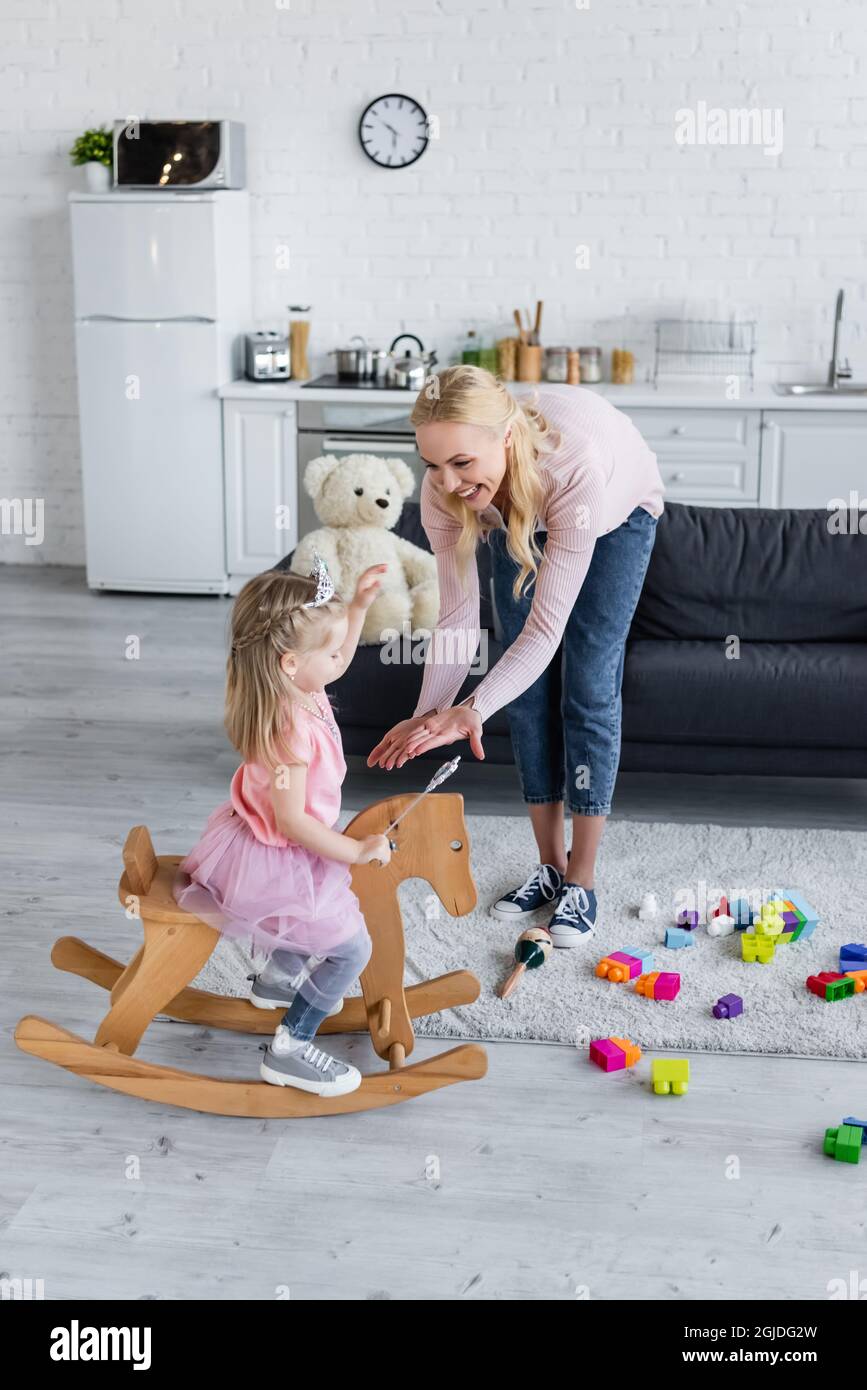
(403, 476)
(317, 471)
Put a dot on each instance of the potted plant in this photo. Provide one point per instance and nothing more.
(93, 149)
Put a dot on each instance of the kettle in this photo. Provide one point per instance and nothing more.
(409, 372)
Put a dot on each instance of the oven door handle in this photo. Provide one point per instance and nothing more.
(364, 446)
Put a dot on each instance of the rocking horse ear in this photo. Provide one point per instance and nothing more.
(316, 472)
(403, 476)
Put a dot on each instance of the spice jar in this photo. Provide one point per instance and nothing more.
(591, 363)
(556, 364)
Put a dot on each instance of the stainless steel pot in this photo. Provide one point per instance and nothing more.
(410, 371)
(358, 364)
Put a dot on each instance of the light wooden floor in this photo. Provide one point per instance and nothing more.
(545, 1180)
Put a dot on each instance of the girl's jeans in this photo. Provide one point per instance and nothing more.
(327, 982)
(565, 728)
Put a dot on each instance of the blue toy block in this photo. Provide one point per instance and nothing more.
(676, 937)
(646, 958)
(857, 1124)
(853, 957)
(800, 902)
(741, 911)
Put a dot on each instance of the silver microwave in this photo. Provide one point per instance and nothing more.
(178, 155)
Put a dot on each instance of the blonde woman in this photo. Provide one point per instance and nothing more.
(567, 494)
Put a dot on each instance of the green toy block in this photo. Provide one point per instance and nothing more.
(670, 1076)
(843, 1143)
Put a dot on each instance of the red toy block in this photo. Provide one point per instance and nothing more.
(830, 985)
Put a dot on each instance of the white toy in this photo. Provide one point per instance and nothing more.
(649, 907)
(721, 925)
(358, 499)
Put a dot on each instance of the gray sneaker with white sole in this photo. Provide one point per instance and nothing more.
(307, 1068)
(279, 994)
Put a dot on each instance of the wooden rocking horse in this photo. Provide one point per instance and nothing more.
(432, 844)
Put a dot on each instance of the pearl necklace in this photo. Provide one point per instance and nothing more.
(317, 712)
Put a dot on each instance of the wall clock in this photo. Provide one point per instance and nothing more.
(393, 131)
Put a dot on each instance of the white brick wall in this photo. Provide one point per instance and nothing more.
(557, 128)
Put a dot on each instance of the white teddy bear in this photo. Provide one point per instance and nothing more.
(358, 499)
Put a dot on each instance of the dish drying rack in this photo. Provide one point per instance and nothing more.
(704, 347)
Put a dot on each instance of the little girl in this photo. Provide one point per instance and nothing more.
(268, 866)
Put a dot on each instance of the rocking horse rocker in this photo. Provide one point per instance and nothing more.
(433, 845)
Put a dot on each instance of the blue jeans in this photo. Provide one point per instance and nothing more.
(565, 728)
(325, 985)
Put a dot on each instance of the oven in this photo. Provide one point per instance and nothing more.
(350, 427)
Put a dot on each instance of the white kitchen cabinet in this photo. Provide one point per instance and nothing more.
(260, 452)
(704, 456)
(811, 457)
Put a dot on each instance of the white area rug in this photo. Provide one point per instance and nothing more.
(565, 998)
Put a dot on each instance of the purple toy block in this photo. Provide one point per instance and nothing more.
(728, 1006)
(607, 1055)
(688, 919)
(791, 919)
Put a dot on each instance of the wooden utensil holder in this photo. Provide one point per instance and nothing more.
(529, 362)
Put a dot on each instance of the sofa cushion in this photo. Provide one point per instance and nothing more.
(776, 694)
(764, 575)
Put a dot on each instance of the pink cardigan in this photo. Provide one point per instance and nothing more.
(601, 471)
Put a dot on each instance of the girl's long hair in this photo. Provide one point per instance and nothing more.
(268, 620)
(473, 396)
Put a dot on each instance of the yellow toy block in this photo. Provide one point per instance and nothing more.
(670, 1075)
(757, 948)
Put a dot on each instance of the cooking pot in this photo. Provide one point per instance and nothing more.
(358, 364)
(409, 371)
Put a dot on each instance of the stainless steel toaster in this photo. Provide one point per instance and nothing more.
(267, 357)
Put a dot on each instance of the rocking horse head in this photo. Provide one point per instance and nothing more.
(432, 843)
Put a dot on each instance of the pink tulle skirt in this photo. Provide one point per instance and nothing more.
(281, 898)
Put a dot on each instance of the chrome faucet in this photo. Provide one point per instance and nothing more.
(838, 371)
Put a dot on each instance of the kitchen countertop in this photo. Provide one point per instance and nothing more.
(679, 396)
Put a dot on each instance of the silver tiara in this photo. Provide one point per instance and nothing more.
(324, 585)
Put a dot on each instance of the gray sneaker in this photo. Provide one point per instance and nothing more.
(307, 1068)
(279, 994)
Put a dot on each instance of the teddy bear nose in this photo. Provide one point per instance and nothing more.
(382, 501)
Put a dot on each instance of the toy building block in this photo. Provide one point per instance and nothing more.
(659, 984)
(649, 907)
(797, 903)
(721, 909)
(768, 922)
(614, 1054)
(688, 919)
(857, 1124)
(757, 948)
(742, 913)
(860, 978)
(675, 937)
(670, 1075)
(630, 1050)
(831, 986)
(843, 1143)
(722, 925)
(853, 957)
(620, 966)
(728, 1006)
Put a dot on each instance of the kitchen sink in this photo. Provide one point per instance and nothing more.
(818, 388)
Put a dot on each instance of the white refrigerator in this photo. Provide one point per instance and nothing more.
(162, 299)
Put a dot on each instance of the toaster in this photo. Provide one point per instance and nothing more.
(267, 357)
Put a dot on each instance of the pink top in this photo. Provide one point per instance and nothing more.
(600, 473)
(316, 743)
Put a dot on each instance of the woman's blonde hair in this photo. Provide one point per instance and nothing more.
(268, 620)
(474, 396)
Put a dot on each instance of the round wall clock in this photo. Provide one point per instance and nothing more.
(393, 131)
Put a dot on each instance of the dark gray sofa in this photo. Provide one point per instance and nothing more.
(793, 701)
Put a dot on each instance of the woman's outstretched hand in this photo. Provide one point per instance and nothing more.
(414, 736)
